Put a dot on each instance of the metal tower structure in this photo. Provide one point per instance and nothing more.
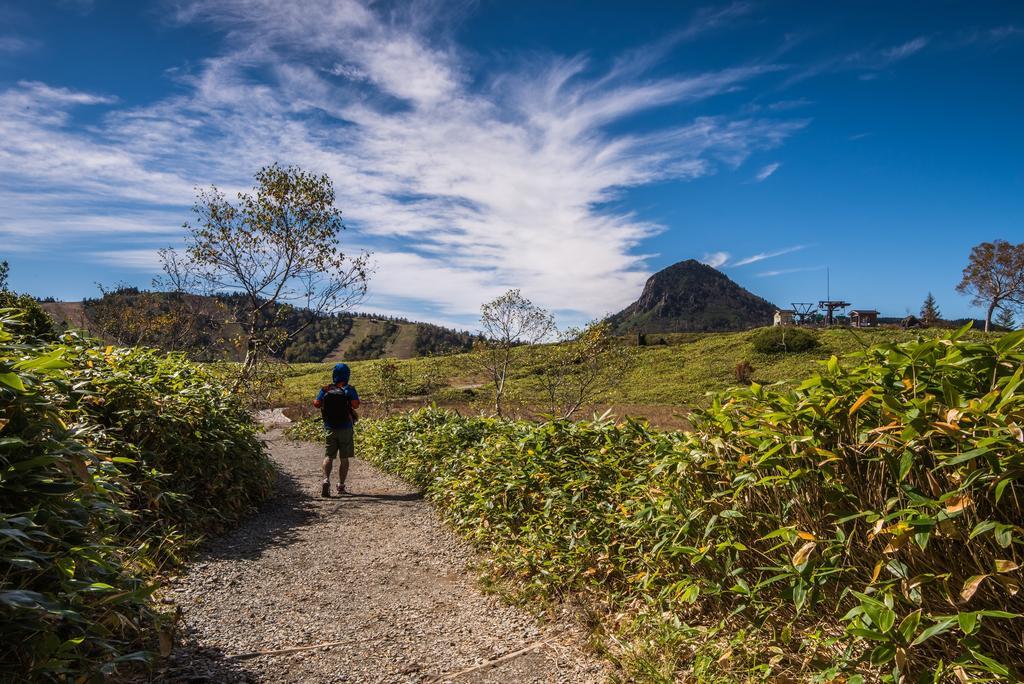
(804, 312)
(829, 306)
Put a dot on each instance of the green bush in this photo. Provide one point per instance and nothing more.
(113, 462)
(783, 340)
(866, 523)
(34, 321)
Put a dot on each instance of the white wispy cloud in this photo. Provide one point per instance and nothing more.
(766, 171)
(904, 50)
(786, 271)
(15, 44)
(768, 255)
(140, 259)
(716, 259)
(867, 61)
(464, 187)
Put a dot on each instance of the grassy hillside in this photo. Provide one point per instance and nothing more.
(670, 375)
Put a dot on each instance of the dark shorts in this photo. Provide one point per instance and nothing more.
(340, 443)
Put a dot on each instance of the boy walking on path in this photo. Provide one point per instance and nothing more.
(338, 403)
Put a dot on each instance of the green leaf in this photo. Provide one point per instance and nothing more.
(906, 463)
(882, 654)
(968, 622)
(886, 619)
(908, 626)
(12, 380)
(940, 627)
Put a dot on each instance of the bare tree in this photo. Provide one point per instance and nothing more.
(994, 277)
(506, 322)
(278, 246)
(585, 364)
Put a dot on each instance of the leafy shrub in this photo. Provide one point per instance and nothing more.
(309, 429)
(112, 463)
(866, 523)
(33, 320)
(783, 340)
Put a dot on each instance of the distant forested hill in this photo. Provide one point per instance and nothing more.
(205, 328)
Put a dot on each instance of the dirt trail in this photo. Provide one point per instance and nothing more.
(374, 569)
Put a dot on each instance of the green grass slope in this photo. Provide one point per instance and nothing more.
(678, 375)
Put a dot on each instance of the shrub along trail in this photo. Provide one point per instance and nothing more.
(375, 570)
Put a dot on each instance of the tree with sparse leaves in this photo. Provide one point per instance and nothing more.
(1005, 319)
(278, 246)
(5, 269)
(930, 314)
(585, 364)
(505, 323)
(994, 277)
(390, 383)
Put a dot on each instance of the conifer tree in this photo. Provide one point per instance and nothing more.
(1005, 319)
(930, 313)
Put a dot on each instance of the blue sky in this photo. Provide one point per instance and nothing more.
(569, 149)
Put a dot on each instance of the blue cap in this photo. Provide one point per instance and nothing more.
(341, 373)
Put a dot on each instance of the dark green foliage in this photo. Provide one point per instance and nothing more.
(33, 320)
(1005, 319)
(867, 521)
(317, 340)
(433, 339)
(113, 462)
(692, 297)
(373, 346)
(784, 340)
(206, 327)
(930, 314)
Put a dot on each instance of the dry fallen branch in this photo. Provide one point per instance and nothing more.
(491, 663)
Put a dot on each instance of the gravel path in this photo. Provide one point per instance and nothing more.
(374, 569)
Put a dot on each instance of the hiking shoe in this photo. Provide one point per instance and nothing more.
(325, 491)
(339, 490)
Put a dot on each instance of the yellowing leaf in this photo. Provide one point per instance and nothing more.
(1017, 432)
(876, 528)
(896, 543)
(861, 401)
(806, 535)
(80, 468)
(801, 556)
(109, 349)
(876, 571)
(1006, 566)
(958, 503)
(971, 586)
(3, 423)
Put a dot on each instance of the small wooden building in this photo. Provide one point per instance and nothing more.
(785, 317)
(864, 318)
